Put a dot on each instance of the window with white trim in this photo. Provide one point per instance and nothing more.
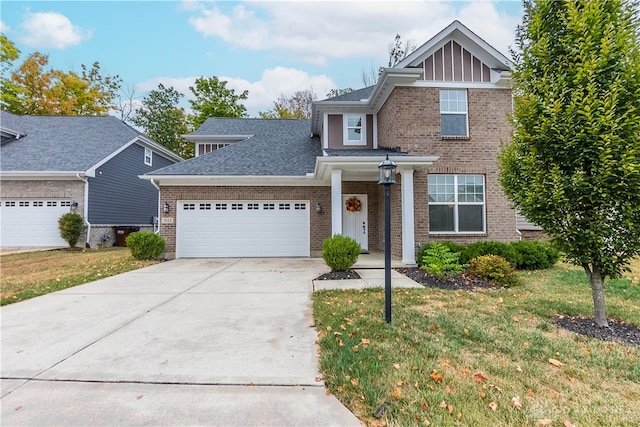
(355, 129)
(456, 204)
(454, 121)
(148, 157)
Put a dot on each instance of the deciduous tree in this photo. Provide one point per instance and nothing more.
(298, 106)
(212, 98)
(8, 54)
(163, 120)
(573, 166)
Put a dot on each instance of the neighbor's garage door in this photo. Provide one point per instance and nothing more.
(31, 222)
(242, 229)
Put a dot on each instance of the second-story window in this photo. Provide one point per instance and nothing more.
(355, 129)
(148, 157)
(453, 113)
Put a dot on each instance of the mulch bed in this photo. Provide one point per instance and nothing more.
(617, 331)
(339, 275)
(453, 283)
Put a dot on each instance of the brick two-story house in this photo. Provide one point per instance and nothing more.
(279, 187)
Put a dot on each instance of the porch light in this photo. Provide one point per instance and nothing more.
(74, 206)
(387, 172)
(166, 208)
(387, 177)
(318, 207)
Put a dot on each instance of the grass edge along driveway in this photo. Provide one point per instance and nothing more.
(30, 274)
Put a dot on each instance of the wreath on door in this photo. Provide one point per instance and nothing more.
(353, 205)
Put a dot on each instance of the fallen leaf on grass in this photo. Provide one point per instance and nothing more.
(354, 382)
(516, 403)
(482, 394)
(544, 422)
(443, 404)
(450, 409)
(568, 423)
(397, 366)
(396, 394)
(555, 362)
(493, 406)
(435, 376)
(479, 377)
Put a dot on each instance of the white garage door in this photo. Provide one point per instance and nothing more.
(31, 222)
(242, 229)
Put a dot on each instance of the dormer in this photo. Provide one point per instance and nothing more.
(207, 143)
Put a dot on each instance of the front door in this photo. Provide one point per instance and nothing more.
(354, 219)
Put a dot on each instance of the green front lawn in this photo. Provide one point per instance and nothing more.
(481, 358)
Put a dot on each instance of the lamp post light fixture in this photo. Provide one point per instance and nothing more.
(387, 177)
(166, 207)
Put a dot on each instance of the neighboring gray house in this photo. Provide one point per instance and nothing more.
(51, 165)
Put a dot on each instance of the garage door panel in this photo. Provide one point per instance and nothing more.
(240, 228)
(31, 222)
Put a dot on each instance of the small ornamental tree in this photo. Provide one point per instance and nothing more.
(71, 226)
(573, 166)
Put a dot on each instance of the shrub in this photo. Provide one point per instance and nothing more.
(495, 269)
(71, 226)
(453, 247)
(481, 248)
(340, 252)
(145, 245)
(533, 255)
(440, 261)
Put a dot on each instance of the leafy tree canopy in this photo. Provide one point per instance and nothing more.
(163, 120)
(34, 88)
(298, 106)
(212, 98)
(573, 166)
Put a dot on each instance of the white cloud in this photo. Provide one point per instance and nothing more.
(51, 30)
(315, 31)
(273, 83)
(4, 28)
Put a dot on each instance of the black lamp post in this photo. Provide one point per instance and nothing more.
(387, 177)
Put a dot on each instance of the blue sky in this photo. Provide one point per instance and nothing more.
(266, 47)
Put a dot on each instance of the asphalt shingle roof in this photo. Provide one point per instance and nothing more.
(278, 147)
(356, 95)
(62, 143)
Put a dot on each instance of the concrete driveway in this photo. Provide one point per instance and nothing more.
(185, 342)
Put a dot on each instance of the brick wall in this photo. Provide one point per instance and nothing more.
(410, 119)
(320, 222)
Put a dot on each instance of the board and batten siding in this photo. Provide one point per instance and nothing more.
(117, 196)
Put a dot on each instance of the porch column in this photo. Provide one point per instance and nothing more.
(336, 201)
(408, 231)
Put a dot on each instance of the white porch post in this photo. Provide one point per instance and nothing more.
(336, 201)
(408, 230)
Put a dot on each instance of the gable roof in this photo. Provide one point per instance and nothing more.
(457, 31)
(67, 143)
(273, 147)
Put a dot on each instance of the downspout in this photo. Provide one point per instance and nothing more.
(86, 207)
(156, 231)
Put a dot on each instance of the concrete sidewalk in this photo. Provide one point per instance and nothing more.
(186, 342)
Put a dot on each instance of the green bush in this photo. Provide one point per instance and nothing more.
(145, 245)
(440, 261)
(483, 247)
(71, 226)
(495, 269)
(340, 252)
(453, 247)
(534, 255)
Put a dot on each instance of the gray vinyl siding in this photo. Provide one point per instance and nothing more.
(117, 196)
